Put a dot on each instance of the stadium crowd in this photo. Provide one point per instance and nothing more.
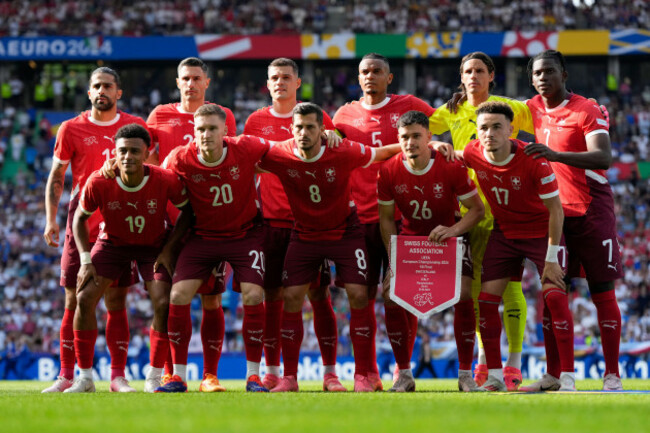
(188, 17)
(32, 301)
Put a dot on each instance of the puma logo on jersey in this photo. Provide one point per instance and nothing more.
(135, 205)
(499, 178)
(109, 138)
(421, 189)
(217, 175)
(376, 119)
(311, 174)
(286, 129)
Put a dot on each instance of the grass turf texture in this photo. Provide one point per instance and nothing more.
(436, 406)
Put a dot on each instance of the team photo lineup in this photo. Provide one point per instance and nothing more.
(181, 202)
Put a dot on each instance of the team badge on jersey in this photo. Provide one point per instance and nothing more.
(516, 182)
(331, 174)
(234, 172)
(114, 205)
(438, 189)
(482, 175)
(267, 130)
(293, 173)
(152, 205)
(394, 117)
(89, 141)
(198, 178)
(358, 123)
(175, 121)
(401, 189)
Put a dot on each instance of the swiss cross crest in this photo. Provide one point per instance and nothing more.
(293, 173)
(438, 189)
(482, 175)
(89, 141)
(114, 205)
(234, 172)
(197, 178)
(267, 130)
(331, 174)
(516, 182)
(401, 189)
(152, 205)
(394, 117)
(175, 121)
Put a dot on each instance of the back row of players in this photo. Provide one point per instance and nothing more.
(309, 216)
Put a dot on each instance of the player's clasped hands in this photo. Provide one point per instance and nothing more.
(554, 274)
(539, 150)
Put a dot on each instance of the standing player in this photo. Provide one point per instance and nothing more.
(317, 182)
(373, 121)
(219, 173)
(86, 142)
(477, 79)
(426, 188)
(576, 141)
(524, 197)
(133, 209)
(274, 123)
(172, 125)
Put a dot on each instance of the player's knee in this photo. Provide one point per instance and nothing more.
(252, 294)
(211, 302)
(601, 287)
(357, 295)
(70, 298)
(86, 302)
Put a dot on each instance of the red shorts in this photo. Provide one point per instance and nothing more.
(276, 243)
(505, 257)
(304, 259)
(592, 243)
(200, 256)
(377, 256)
(216, 283)
(71, 263)
(112, 261)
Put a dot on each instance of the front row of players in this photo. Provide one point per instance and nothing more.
(212, 180)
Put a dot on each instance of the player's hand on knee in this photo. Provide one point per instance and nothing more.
(553, 274)
(108, 169)
(85, 274)
(166, 260)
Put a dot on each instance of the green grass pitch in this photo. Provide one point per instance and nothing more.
(435, 407)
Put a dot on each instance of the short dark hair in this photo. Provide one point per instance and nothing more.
(109, 71)
(495, 107)
(548, 54)
(210, 110)
(478, 55)
(134, 130)
(376, 56)
(413, 117)
(283, 61)
(306, 108)
(192, 62)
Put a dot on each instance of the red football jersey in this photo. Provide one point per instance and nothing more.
(171, 127)
(269, 124)
(514, 188)
(222, 193)
(565, 128)
(374, 126)
(86, 144)
(133, 215)
(318, 188)
(426, 198)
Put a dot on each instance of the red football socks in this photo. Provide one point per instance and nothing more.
(272, 324)
(362, 336)
(325, 329)
(253, 331)
(372, 351)
(66, 345)
(553, 366)
(179, 331)
(213, 329)
(159, 349)
(117, 341)
(397, 329)
(556, 301)
(413, 331)
(465, 333)
(609, 322)
(84, 346)
(292, 334)
(490, 326)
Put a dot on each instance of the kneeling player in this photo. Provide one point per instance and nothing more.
(524, 198)
(133, 208)
(426, 188)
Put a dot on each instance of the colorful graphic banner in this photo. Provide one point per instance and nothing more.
(434, 44)
(630, 41)
(218, 47)
(328, 46)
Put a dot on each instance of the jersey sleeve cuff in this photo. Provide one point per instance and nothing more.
(468, 195)
(182, 204)
(596, 132)
(85, 211)
(550, 194)
(386, 202)
(60, 161)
